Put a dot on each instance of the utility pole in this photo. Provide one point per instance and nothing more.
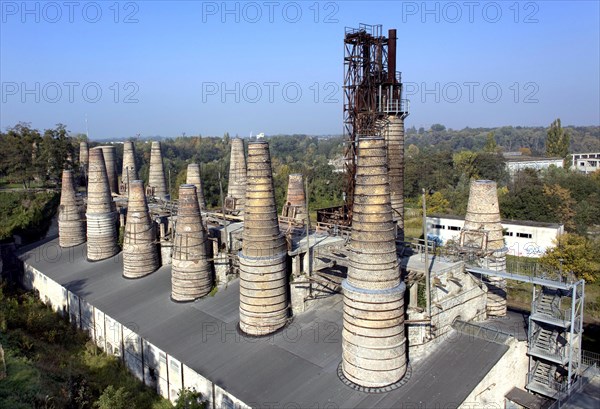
(309, 267)
(223, 210)
(427, 278)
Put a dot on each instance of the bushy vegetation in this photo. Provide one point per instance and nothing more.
(28, 154)
(26, 213)
(50, 364)
(531, 140)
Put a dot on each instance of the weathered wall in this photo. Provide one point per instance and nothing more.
(510, 371)
(449, 301)
(151, 365)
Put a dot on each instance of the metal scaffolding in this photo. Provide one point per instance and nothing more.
(372, 92)
(555, 330)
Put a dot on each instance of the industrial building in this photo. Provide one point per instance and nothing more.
(516, 162)
(522, 238)
(344, 315)
(585, 162)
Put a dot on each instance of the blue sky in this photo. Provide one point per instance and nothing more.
(168, 68)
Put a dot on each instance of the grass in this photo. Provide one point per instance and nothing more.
(50, 364)
(413, 224)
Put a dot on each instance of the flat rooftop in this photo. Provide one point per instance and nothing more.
(295, 366)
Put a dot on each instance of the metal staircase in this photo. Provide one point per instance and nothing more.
(549, 344)
(555, 339)
(544, 374)
(555, 327)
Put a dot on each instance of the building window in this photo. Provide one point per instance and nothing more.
(509, 233)
(174, 366)
(524, 235)
(455, 228)
(163, 358)
(581, 163)
(438, 226)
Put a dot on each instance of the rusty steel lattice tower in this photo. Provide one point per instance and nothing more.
(373, 103)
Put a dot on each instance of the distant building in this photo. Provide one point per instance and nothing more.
(586, 162)
(516, 162)
(339, 164)
(523, 238)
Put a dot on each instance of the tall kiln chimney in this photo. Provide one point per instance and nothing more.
(71, 221)
(129, 173)
(237, 174)
(101, 211)
(483, 229)
(110, 157)
(263, 275)
(373, 339)
(156, 177)
(192, 272)
(140, 253)
(193, 178)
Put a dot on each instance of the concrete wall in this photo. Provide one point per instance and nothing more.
(146, 361)
(510, 371)
(521, 239)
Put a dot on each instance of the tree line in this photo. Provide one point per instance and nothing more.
(439, 160)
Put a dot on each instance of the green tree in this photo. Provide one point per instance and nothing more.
(190, 399)
(491, 166)
(464, 164)
(577, 254)
(20, 153)
(490, 143)
(56, 152)
(561, 205)
(113, 398)
(436, 203)
(412, 150)
(557, 140)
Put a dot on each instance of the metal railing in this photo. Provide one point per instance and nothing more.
(394, 106)
(576, 387)
(589, 358)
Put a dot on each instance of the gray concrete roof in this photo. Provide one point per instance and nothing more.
(589, 396)
(297, 365)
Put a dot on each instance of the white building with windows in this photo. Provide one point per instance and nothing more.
(515, 163)
(585, 162)
(523, 238)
